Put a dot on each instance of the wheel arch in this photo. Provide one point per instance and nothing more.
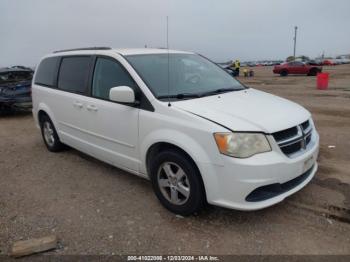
(195, 146)
(41, 113)
(158, 147)
(198, 146)
(43, 109)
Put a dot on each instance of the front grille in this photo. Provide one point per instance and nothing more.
(290, 149)
(305, 125)
(294, 139)
(286, 134)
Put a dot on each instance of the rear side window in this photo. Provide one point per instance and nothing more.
(74, 73)
(295, 63)
(108, 74)
(46, 72)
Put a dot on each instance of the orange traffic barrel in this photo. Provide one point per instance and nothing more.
(322, 81)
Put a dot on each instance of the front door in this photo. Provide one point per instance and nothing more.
(112, 128)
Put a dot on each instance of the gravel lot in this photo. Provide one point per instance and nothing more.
(95, 208)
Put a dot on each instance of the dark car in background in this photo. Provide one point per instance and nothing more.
(315, 62)
(228, 69)
(15, 87)
(297, 68)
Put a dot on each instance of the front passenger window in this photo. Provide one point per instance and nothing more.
(108, 74)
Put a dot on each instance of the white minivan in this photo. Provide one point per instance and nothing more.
(179, 120)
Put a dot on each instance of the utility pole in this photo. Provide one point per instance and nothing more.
(295, 40)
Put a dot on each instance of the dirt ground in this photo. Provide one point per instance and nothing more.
(97, 209)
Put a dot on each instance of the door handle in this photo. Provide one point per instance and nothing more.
(78, 104)
(92, 108)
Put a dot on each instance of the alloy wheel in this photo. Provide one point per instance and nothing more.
(48, 133)
(173, 183)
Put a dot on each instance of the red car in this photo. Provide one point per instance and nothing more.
(328, 62)
(299, 68)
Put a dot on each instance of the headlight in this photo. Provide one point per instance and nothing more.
(242, 145)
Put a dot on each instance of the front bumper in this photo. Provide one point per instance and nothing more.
(229, 185)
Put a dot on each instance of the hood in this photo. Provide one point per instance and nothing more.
(247, 110)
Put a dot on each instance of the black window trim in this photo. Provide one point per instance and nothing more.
(144, 103)
(91, 77)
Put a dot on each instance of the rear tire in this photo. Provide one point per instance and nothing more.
(177, 182)
(284, 73)
(49, 135)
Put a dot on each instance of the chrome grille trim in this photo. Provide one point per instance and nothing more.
(296, 143)
(291, 140)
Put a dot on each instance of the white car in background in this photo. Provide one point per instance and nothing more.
(179, 120)
(341, 60)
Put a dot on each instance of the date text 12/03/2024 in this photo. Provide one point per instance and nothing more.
(173, 258)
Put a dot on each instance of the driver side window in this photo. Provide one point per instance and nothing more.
(108, 74)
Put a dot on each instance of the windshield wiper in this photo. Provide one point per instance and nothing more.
(180, 96)
(219, 91)
(194, 95)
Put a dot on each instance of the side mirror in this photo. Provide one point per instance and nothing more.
(122, 94)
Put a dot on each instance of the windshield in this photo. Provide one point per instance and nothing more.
(190, 75)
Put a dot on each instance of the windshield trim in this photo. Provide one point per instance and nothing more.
(174, 99)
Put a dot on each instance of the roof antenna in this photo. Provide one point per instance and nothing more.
(167, 47)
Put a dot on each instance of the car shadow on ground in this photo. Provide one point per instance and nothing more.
(209, 213)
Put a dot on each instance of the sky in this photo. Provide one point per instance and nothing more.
(220, 30)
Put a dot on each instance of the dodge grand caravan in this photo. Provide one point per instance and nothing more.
(179, 120)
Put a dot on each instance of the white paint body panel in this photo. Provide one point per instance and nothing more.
(121, 135)
(248, 110)
(122, 94)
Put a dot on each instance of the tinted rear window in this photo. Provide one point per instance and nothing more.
(74, 73)
(46, 72)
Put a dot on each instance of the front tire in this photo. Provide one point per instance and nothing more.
(49, 135)
(177, 183)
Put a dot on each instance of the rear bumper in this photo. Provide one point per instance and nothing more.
(15, 100)
(233, 185)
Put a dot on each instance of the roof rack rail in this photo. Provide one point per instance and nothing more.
(84, 48)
